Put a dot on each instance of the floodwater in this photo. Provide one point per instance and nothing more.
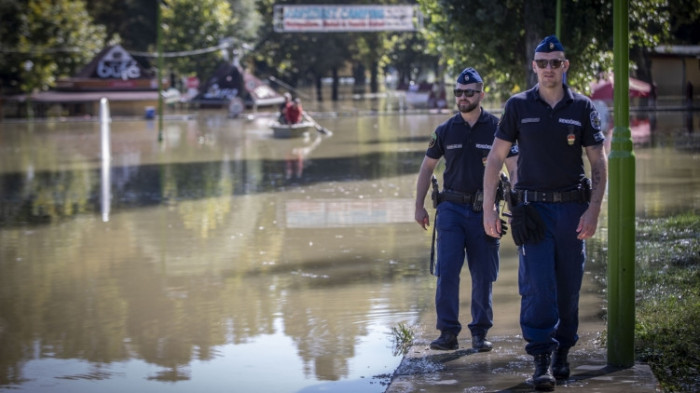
(221, 259)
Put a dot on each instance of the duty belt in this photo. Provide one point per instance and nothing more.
(457, 197)
(580, 195)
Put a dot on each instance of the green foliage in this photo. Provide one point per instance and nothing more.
(44, 40)
(299, 57)
(188, 25)
(668, 300)
(130, 23)
(685, 15)
(410, 54)
(195, 24)
(499, 38)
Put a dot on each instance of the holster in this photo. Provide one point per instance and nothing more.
(435, 194)
(476, 199)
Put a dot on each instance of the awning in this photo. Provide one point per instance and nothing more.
(603, 89)
(79, 97)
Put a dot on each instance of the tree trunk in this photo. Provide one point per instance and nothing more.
(374, 77)
(358, 74)
(334, 87)
(319, 89)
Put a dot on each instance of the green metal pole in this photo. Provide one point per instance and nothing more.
(159, 74)
(558, 29)
(621, 205)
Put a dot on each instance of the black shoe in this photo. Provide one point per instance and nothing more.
(481, 344)
(543, 379)
(447, 341)
(560, 366)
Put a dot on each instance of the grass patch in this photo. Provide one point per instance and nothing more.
(668, 300)
(403, 338)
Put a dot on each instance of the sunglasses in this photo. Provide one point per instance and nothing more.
(466, 92)
(554, 63)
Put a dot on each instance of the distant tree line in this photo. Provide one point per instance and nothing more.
(43, 40)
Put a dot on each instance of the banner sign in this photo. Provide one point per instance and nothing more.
(346, 18)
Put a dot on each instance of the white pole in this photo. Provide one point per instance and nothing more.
(105, 120)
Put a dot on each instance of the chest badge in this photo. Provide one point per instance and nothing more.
(571, 138)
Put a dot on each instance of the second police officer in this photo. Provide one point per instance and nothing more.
(464, 141)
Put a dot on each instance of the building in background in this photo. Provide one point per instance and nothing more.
(130, 86)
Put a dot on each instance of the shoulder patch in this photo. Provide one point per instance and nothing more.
(599, 137)
(595, 120)
(433, 139)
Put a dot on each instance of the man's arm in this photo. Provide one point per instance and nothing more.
(422, 186)
(599, 173)
(494, 164)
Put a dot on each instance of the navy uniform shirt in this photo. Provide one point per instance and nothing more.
(551, 140)
(465, 149)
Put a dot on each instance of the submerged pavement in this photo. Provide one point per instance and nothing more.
(507, 368)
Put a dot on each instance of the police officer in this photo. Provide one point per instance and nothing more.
(557, 208)
(464, 140)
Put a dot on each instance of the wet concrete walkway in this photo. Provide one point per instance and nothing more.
(509, 369)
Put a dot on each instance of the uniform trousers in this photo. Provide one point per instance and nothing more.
(461, 234)
(549, 277)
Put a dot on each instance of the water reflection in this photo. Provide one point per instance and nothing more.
(230, 256)
(212, 252)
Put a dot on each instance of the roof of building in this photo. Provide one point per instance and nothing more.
(678, 50)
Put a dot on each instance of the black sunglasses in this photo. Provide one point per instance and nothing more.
(466, 92)
(554, 63)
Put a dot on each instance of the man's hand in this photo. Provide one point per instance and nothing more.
(422, 217)
(492, 223)
(588, 223)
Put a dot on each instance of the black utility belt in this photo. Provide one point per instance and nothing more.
(460, 197)
(581, 195)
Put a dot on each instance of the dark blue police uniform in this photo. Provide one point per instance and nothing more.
(551, 163)
(459, 226)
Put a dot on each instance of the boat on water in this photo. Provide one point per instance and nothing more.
(292, 130)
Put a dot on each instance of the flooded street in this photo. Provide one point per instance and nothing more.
(222, 259)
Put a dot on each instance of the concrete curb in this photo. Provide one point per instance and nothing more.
(509, 369)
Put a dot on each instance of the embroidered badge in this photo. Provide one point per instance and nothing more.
(595, 120)
(433, 139)
(571, 135)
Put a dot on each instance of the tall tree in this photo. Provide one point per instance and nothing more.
(188, 27)
(299, 57)
(410, 54)
(132, 23)
(42, 41)
(685, 21)
(192, 25)
(499, 38)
